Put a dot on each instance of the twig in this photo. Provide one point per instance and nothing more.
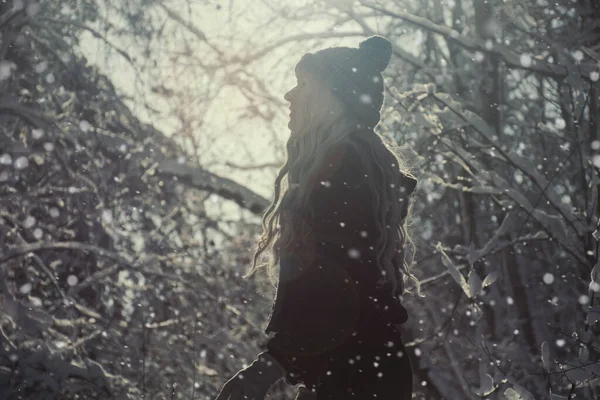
(95, 277)
(36, 258)
(250, 167)
(35, 118)
(16, 251)
(95, 33)
(6, 338)
(8, 16)
(81, 341)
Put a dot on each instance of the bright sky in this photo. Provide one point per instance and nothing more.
(233, 27)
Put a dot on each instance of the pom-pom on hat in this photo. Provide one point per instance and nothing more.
(353, 75)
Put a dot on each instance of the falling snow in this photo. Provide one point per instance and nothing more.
(37, 133)
(26, 288)
(72, 280)
(21, 163)
(578, 55)
(354, 253)
(84, 126)
(117, 238)
(5, 159)
(41, 67)
(107, 216)
(29, 221)
(38, 233)
(526, 60)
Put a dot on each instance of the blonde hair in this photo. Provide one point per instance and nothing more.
(325, 123)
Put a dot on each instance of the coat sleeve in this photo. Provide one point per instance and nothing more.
(322, 301)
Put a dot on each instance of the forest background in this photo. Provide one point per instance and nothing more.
(139, 141)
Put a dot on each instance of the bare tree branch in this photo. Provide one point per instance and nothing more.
(16, 251)
(36, 118)
(510, 57)
(95, 33)
(9, 15)
(226, 188)
(251, 167)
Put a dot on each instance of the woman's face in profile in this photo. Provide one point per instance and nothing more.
(296, 97)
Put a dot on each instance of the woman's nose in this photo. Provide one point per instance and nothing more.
(288, 96)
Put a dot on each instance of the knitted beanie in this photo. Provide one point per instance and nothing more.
(353, 75)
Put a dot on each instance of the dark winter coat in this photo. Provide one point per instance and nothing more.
(328, 309)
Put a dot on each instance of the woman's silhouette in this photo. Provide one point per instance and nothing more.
(340, 236)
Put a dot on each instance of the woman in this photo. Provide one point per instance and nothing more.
(340, 236)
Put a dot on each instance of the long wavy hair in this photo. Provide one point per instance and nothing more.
(324, 123)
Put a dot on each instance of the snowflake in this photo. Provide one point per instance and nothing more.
(107, 216)
(6, 68)
(84, 126)
(5, 159)
(353, 253)
(29, 221)
(41, 67)
(526, 60)
(21, 162)
(365, 99)
(37, 133)
(548, 278)
(38, 233)
(25, 289)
